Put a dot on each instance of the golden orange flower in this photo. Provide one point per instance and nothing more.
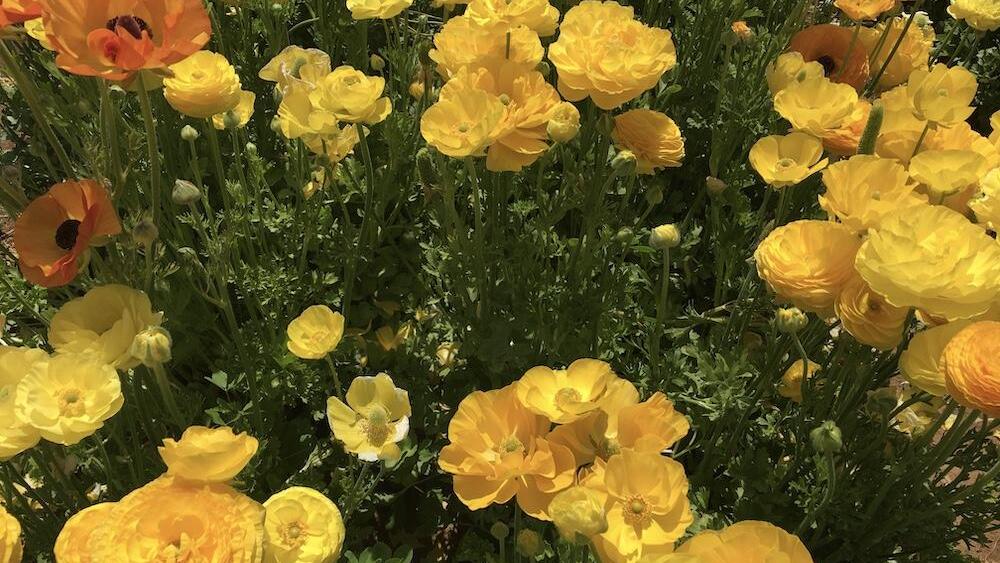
(17, 11)
(868, 317)
(653, 137)
(844, 140)
(971, 362)
(54, 231)
(859, 10)
(830, 46)
(115, 39)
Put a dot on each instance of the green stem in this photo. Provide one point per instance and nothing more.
(920, 140)
(336, 378)
(873, 83)
(831, 487)
(661, 315)
(163, 382)
(477, 231)
(152, 148)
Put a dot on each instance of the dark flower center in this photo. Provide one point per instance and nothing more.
(829, 65)
(132, 24)
(66, 234)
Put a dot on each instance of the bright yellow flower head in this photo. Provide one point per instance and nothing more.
(596, 435)
(651, 426)
(844, 140)
(521, 136)
(465, 43)
(336, 144)
(293, 63)
(578, 513)
(374, 420)
(868, 317)
(537, 15)
(944, 173)
(465, 119)
(345, 94)
(808, 263)
(498, 450)
(239, 116)
(653, 137)
(932, 258)
(10, 538)
(15, 363)
(981, 15)
(564, 122)
(971, 363)
(942, 95)
(861, 191)
(986, 203)
(645, 497)
(900, 128)
(787, 160)
(202, 85)
(381, 9)
(105, 321)
(860, 10)
(315, 333)
(913, 52)
(301, 525)
(68, 397)
(749, 541)
(605, 53)
(817, 106)
(212, 455)
(565, 395)
(920, 363)
(172, 519)
(791, 68)
(74, 542)
(791, 381)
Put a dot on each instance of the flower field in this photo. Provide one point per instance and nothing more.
(633, 281)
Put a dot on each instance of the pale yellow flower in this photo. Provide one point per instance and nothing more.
(653, 138)
(240, 115)
(564, 122)
(981, 15)
(913, 53)
(202, 85)
(793, 378)
(868, 317)
(920, 363)
(787, 160)
(295, 64)
(74, 542)
(817, 106)
(315, 333)
(537, 15)
(942, 95)
(565, 395)
(380, 9)
(465, 120)
(862, 190)
(374, 420)
(945, 173)
(16, 363)
(748, 541)
(212, 455)
(36, 30)
(301, 525)
(790, 68)
(578, 513)
(465, 43)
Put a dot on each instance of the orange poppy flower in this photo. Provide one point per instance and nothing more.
(55, 229)
(114, 39)
(830, 46)
(17, 11)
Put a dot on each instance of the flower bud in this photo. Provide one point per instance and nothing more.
(665, 237)
(624, 162)
(654, 195)
(276, 124)
(417, 89)
(578, 514)
(189, 133)
(185, 193)
(425, 167)
(499, 530)
(714, 185)
(564, 123)
(376, 62)
(826, 438)
(529, 543)
(544, 68)
(872, 129)
(922, 19)
(145, 232)
(230, 120)
(790, 320)
(151, 346)
(742, 31)
(446, 354)
(624, 235)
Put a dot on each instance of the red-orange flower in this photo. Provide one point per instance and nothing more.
(830, 46)
(17, 11)
(114, 39)
(58, 227)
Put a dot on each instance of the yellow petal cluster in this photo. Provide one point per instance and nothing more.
(920, 363)
(596, 434)
(793, 378)
(605, 53)
(748, 541)
(942, 95)
(536, 15)
(986, 203)
(377, 9)
(202, 85)
(10, 538)
(861, 10)
(787, 160)
(913, 53)
(971, 363)
(374, 419)
(564, 122)
(212, 455)
(315, 333)
(563, 396)
(521, 136)
(344, 94)
(868, 317)
(947, 172)
(293, 64)
(16, 436)
(981, 15)
(465, 43)
(791, 68)
(653, 137)
(578, 513)
(302, 525)
(74, 544)
(863, 190)
(239, 116)
(817, 106)
(464, 121)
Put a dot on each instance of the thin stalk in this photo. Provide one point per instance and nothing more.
(163, 382)
(336, 378)
(152, 148)
(661, 315)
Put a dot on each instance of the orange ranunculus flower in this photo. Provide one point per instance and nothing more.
(971, 363)
(17, 11)
(115, 39)
(55, 229)
(830, 46)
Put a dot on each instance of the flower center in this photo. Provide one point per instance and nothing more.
(70, 402)
(567, 395)
(351, 80)
(293, 534)
(463, 128)
(66, 234)
(785, 163)
(132, 24)
(511, 444)
(376, 426)
(636, 510)
(608, 447)
(829, 65)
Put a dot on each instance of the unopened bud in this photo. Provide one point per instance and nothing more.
(624, 235)
(624, 162)
(185, 193)
(189, 133)
(376, 62)
(446, 354)
(499, 530)
(654, 195)
(826, 438)
(276, 125)
(425, 168)
(665, 237)
(544, 68)
(790, 320)
(151, 346)
(230, 120)
(578, 514)
(145, 232)
(714, 185)
(529, 543)
(251, 149)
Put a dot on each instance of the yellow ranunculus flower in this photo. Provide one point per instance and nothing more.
(748, 541)
(913, 52)
(844, 140)
(315, 333)
(645, 498)
(74, 544)
(791, 381)
(465, 119)
(498, 450)
(521, 135)
(288, 65)
(986, 203)
(808, 263)
(917, 418)
(578, 513)
(564, 122)
(302, 525)
(900, 128)
(335, 144)
(212, 455)
(537, 15)
(932, 258)
(240, 115)
(172, 519)
(945, 173)
(653, 137)
(565, 395)
(868, 317)
(381, 9)
(36, 29)
(817, 106)
(596, 435)
(981, 15)
(920, 363)
(942, 95)
(862, 190)
(374, 420)
(790, 68)
(605, 53)
(651, 426)
(862, 10)
(104, 321)
(15, 363)
(464, 43)
(202, 85)
(971, 363)
(10, 538)
(68, 397)
(787, 160)
(963, 137)
(345, 94)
